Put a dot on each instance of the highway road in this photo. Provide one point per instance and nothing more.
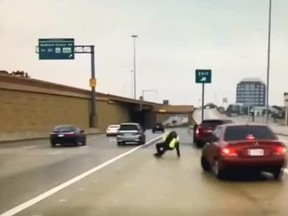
(127, 180)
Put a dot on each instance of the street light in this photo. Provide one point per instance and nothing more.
(148, 90)
(268, 63)
(134, 63)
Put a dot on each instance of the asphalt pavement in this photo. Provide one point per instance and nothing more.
(32, 167)
(103, 179)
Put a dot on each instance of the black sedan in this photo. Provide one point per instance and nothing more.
(158, 127)
(67, 135)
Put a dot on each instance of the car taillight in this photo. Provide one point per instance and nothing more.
(279, 150)
(197, 130)
(228, 152)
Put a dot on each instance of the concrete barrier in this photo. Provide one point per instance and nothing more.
(35, 135)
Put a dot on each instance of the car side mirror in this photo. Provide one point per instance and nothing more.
(82, 131)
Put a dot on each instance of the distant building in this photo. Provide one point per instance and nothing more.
(251, 91)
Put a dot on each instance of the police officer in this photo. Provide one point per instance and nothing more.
(170, 142)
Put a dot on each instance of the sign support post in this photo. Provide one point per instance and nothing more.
(203, 76)
(203, 102)
(64, 49)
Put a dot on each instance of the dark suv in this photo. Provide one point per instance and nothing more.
(158, 127)
(203, 131)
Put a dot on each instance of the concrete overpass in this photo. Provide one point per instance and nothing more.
(30, 108)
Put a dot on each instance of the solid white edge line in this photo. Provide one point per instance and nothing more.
(64, 185)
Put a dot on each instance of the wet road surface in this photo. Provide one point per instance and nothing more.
(139, 184)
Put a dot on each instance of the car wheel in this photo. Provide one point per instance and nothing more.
(205, 165)
(77, 142)
(220, 174)
(278, 174)
(53, 145)
(153, 131)
(120, 143)
(84, 142)
(198, 144)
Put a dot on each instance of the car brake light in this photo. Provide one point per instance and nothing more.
(280, 150)
(228, 152)
(197, 130)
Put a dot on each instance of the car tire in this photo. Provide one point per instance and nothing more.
(53, 145)
(120, 143)
(153, 131)
(278, 174)
(77, 143)
(198, 144)
(205, 165)
(84, 142)
(220, 174)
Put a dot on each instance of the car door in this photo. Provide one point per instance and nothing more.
(212, 146)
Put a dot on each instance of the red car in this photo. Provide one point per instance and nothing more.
(244, 147)
(202, 132)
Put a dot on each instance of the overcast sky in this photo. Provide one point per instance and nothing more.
(175, 38)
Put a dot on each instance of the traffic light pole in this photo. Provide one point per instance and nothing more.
(203, 97)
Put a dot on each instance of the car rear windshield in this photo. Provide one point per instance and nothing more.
(128, 127)
(208, 123)
(234, 133)
(64, 128)
(113, 126)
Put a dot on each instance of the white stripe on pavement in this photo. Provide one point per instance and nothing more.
(66, 184)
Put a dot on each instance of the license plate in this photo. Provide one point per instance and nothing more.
(61, 135)
(209, 131)
(256, 152)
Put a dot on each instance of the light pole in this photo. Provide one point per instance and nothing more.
(268, 63)
(134, 64)
(132, 94)
(148, 90)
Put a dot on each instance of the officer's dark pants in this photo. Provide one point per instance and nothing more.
(162, 148)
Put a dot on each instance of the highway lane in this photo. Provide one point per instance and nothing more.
(30, 168)
(140, 184)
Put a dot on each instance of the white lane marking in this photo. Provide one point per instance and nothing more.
(29, 147)
(62, 200)
(56, 189)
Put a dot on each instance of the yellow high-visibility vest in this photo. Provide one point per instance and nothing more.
(172, 144)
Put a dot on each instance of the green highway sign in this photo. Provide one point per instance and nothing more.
(203, 76)
(56, 48)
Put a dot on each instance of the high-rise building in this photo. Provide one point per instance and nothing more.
(251, 91)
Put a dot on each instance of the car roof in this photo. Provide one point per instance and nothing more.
(131, 123)
(244, 124)
(64, 126)
(212, 120)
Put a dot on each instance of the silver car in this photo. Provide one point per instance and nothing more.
(131, 133)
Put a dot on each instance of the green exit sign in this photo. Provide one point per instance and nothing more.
(203, 76)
